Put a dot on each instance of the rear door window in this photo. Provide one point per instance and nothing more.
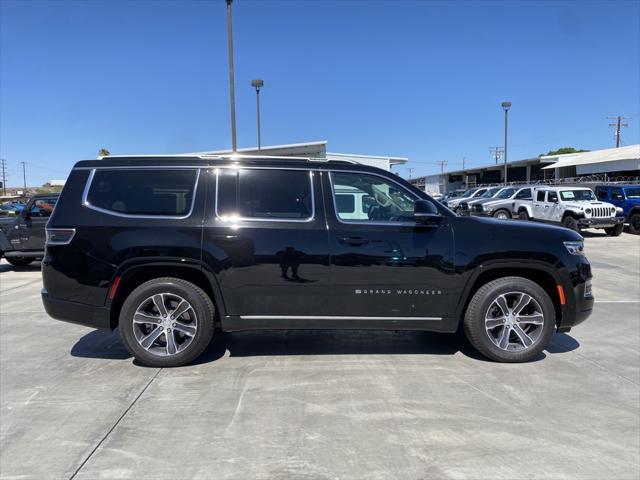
(43, 207)
(540, 196)
(256, 194)
(143, 192)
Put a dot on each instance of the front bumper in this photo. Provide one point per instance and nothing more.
(79, 313)
(600, 222)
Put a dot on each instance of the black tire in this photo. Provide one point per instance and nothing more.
(523, 215)
(502, 211)
(474, 320)
(202, 306)
(20, 261)
(614, 231)
(634, 224)
(571, 223)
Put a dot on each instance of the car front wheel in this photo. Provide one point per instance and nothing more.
(502, 215)
(167, 322)
(20, 261)
(615, 231)
(510, 319)
(571, 223)
(634, 224)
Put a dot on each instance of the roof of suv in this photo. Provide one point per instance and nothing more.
(212, 160)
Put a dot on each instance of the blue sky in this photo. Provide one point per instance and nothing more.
(417, 79)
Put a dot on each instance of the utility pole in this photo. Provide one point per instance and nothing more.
(618, 126)
(442, 164)
(463, 159)
(24, 178)
(4, 176)
(232, 95)
(496, 153)
(410, 170)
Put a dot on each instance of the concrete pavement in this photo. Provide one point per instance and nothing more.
(320, 405)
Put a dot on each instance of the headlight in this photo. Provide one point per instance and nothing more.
(574, 248)
(488, 208)
(619, 210)
(587, 211)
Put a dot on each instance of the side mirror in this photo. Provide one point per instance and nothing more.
(426, 213)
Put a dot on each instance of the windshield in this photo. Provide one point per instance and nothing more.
(507, 193)
(491, 192)
(468, 193)
(633, 192)
(577, 195)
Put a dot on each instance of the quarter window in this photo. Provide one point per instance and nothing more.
(378, 199)
(43, 207)
(265, 194)
(143, 192)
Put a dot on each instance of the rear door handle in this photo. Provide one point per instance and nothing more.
(354, 241)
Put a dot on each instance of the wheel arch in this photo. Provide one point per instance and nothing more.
(131, 276)
(571, 213)
(542, 275)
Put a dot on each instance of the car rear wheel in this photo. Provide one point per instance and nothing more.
(167, 322)
(571, 223)
(502, 214)
(510, 319)
(523, 215)
(614, 231)
(20, 261)
(634, 224)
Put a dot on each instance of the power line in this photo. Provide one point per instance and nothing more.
(618, 126)
(496, 153)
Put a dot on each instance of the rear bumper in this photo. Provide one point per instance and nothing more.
(600, 222)
(79, 313)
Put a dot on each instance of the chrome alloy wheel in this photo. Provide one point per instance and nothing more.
(165, 324)
(514, 321)
(502, 216)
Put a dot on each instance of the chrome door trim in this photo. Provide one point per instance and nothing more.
(330, 317)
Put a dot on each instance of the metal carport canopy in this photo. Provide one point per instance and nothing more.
(632, 152)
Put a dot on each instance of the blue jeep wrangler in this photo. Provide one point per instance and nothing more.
(626, 197)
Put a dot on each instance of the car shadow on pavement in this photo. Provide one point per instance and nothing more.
(107, 345)
(562, 343)
(7, 267)
(101, 344)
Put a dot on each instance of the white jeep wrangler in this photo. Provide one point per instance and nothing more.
(572, 207)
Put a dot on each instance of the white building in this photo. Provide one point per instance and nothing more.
(314, 150)
(622, 161)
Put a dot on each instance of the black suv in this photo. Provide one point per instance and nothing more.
(22, 237)
(169, 248)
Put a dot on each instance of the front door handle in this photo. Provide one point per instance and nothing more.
(354, 241)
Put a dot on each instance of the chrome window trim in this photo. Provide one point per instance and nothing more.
(87, 204)
(367, 222)
(330, 317)
(220, 218)
(201, 166)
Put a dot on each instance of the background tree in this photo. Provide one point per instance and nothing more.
(103, 152)
(565, 150)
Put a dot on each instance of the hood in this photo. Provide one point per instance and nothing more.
(497, 228)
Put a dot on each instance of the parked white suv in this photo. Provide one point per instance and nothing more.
(572, 207)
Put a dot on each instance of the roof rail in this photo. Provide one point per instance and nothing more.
(231, 157)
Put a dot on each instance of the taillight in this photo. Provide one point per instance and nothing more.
(60, 236)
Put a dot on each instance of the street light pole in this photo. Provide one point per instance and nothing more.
(505, 106)
(232, 95)
(24, 177)
(258, 84)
